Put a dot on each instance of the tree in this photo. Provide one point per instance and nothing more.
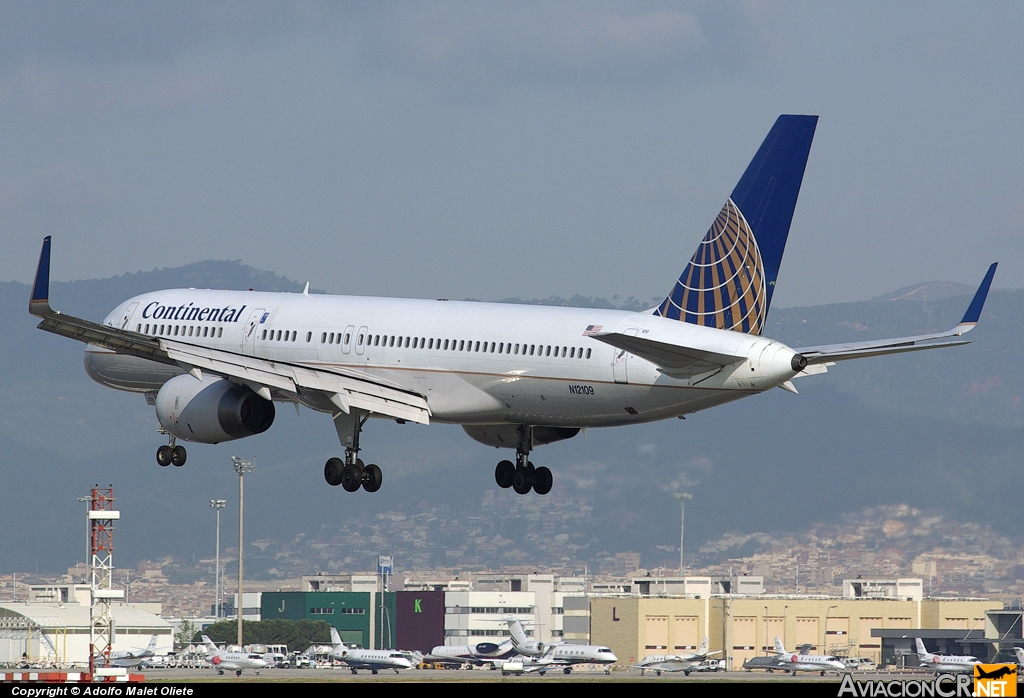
(298, 635)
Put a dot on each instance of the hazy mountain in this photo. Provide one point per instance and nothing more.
(937, 430)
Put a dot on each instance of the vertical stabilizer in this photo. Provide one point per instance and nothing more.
(779, 647)
(515, 629)
(729, 281)
(921, 651)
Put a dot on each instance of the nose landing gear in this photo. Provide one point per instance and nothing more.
(171, 454)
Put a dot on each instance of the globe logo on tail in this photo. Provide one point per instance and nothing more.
(723, 286)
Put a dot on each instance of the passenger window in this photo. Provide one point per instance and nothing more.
(446, 345)
(572, 353)
(516, 350)
(360, 340)
(462, 344)
(478, 346)
(220, 331)
(309, 336)
(531, 349)
(348, 338)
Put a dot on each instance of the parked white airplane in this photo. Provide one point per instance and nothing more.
(675, 662)
(480, 654)
(940, 663)
(133, 657)
(374, 660)
(514, 376)
(232, 661)
(1020, 657)
(806, 662)
(540, 657)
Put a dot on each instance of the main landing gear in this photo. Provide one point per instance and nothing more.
(523, 476)
(351, 473)
(171, 454)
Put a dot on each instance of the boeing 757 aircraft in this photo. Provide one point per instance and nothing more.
(213, 363)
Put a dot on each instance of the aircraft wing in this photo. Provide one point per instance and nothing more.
(345, 389)
(841, 352)
(675, 360)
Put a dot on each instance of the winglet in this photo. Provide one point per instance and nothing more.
(39, 303)
(973, 313)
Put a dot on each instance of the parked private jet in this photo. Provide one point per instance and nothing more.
(684, 661)
(939, 663)
(806, 662)
(233, 661)
(374, 660)
(213, 363)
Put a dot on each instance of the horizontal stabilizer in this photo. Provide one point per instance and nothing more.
(675, 360)
(880, 347)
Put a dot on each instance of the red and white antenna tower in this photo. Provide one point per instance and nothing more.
(101, 566)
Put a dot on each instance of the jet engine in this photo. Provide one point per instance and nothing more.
(211, 410)
(532, 649)
(486, 648)
(507, 435)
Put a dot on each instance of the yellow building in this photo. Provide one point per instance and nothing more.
(743, 627)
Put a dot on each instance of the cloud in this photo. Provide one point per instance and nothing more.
(690, 475)
(602, 43)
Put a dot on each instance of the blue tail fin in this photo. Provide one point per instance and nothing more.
(729, 282)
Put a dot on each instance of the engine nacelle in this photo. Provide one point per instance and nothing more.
(486, 648)
(531, 649)
(211, 410)
(507, 435)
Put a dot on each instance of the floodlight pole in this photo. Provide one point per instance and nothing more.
(241, 467)
(217, 504)
(682, 497)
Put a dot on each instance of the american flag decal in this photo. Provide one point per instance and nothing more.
(592, 329)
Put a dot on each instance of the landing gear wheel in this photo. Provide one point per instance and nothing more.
(542, 480)
(567, 670)
(522, 482)
(163, 456)
(332, 471)
(504, 474)
(351, 477)
(372, 478)
(373, 671)
(238, 673)
(178, 456)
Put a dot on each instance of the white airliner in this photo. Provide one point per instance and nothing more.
(374, 660)
(514, 376)
(943, 663)
(233, 661)
(675, 662)
(789, 661)
(540, 657)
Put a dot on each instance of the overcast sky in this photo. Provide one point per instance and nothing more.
(507, 149)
